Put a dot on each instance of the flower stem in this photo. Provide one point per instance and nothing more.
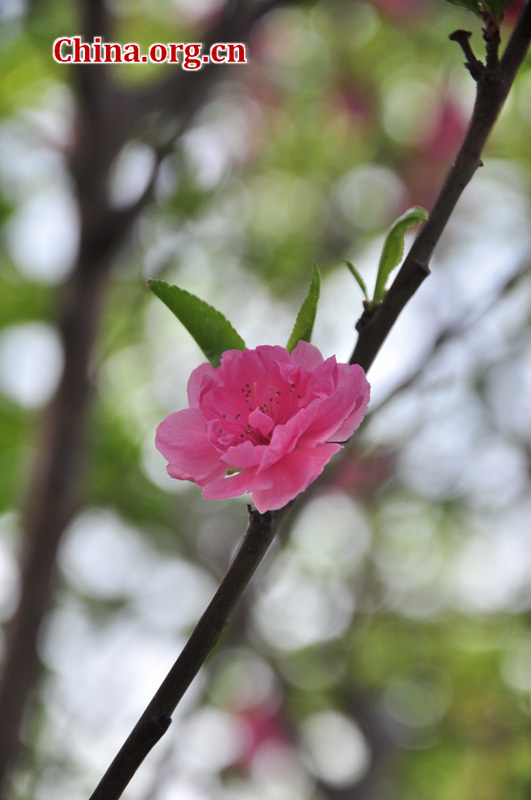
(156, 719)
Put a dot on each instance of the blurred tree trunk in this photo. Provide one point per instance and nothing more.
(107, 117)
(51, 498)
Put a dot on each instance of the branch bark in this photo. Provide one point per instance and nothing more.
(493, 84)
(156, 719)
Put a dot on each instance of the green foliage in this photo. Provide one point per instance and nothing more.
(393, 249)
(357, 277)
(23, 301)
(211, 330)
(15, 433)
(480, 7)
(306, 317)
(115, 460)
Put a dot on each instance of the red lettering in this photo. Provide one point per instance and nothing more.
(80, 49)
(242, 58)
(110, 48)
(131, 53)
(214, 53)
(191, 53)
(96, 46)
(173, 59)
(158, 53)
(98, 52)
(58, 56)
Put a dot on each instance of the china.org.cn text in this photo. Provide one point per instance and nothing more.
(73, 50)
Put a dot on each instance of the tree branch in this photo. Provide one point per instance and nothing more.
(373, 327)
(156, 719)
(493, 85)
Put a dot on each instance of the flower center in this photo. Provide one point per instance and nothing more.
(259, 408)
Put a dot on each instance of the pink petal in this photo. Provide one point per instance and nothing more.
(291, 475)
(204, 377)
(339, 415)
(306, 355)
(182, 440)
(246, 380)
(354, 419)
(218, 435)
(324, 379)
(235, 485)
(303, 403)
(243, 455)
(285, 437)
(261, 421)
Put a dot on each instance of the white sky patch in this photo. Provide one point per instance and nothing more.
(42, 235)
(31, 362)
(130, 174)
(335, 748)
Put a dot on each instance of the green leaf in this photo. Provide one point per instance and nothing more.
(472, 5)
(306, 317)
(211, 330)
(478, 7)
(357, 277)
(393, 248)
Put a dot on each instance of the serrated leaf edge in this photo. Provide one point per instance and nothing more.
(212, 355)
(315, 285)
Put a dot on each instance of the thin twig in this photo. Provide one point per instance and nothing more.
(473, 64)
(492, 88)
(156, 719)
(373, 329)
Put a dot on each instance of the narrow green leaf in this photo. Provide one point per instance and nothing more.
(393, 248)
(306, 317)
(211, 330)
(472, 5)
(357, 277)
(496, 7)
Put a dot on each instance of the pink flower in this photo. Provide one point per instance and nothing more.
(271, 416)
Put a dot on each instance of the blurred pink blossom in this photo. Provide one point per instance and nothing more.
(513, 11)
(271, 417)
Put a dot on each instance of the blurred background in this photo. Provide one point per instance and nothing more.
(383, 650)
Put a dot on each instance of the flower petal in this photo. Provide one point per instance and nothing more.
(182, 440)
(243, 455)
(338, 416)
(354, 419)
(291, 475)
(246, 380)
(261, 421)
(275, 416)
(204, 377)
(306, 355)
(285, 437)
(235, 485)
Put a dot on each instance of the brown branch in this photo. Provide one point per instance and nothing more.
(156, 719)
(492, 88)
(178, 95)
(261, 530)
(50, 506)
(53, 495)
